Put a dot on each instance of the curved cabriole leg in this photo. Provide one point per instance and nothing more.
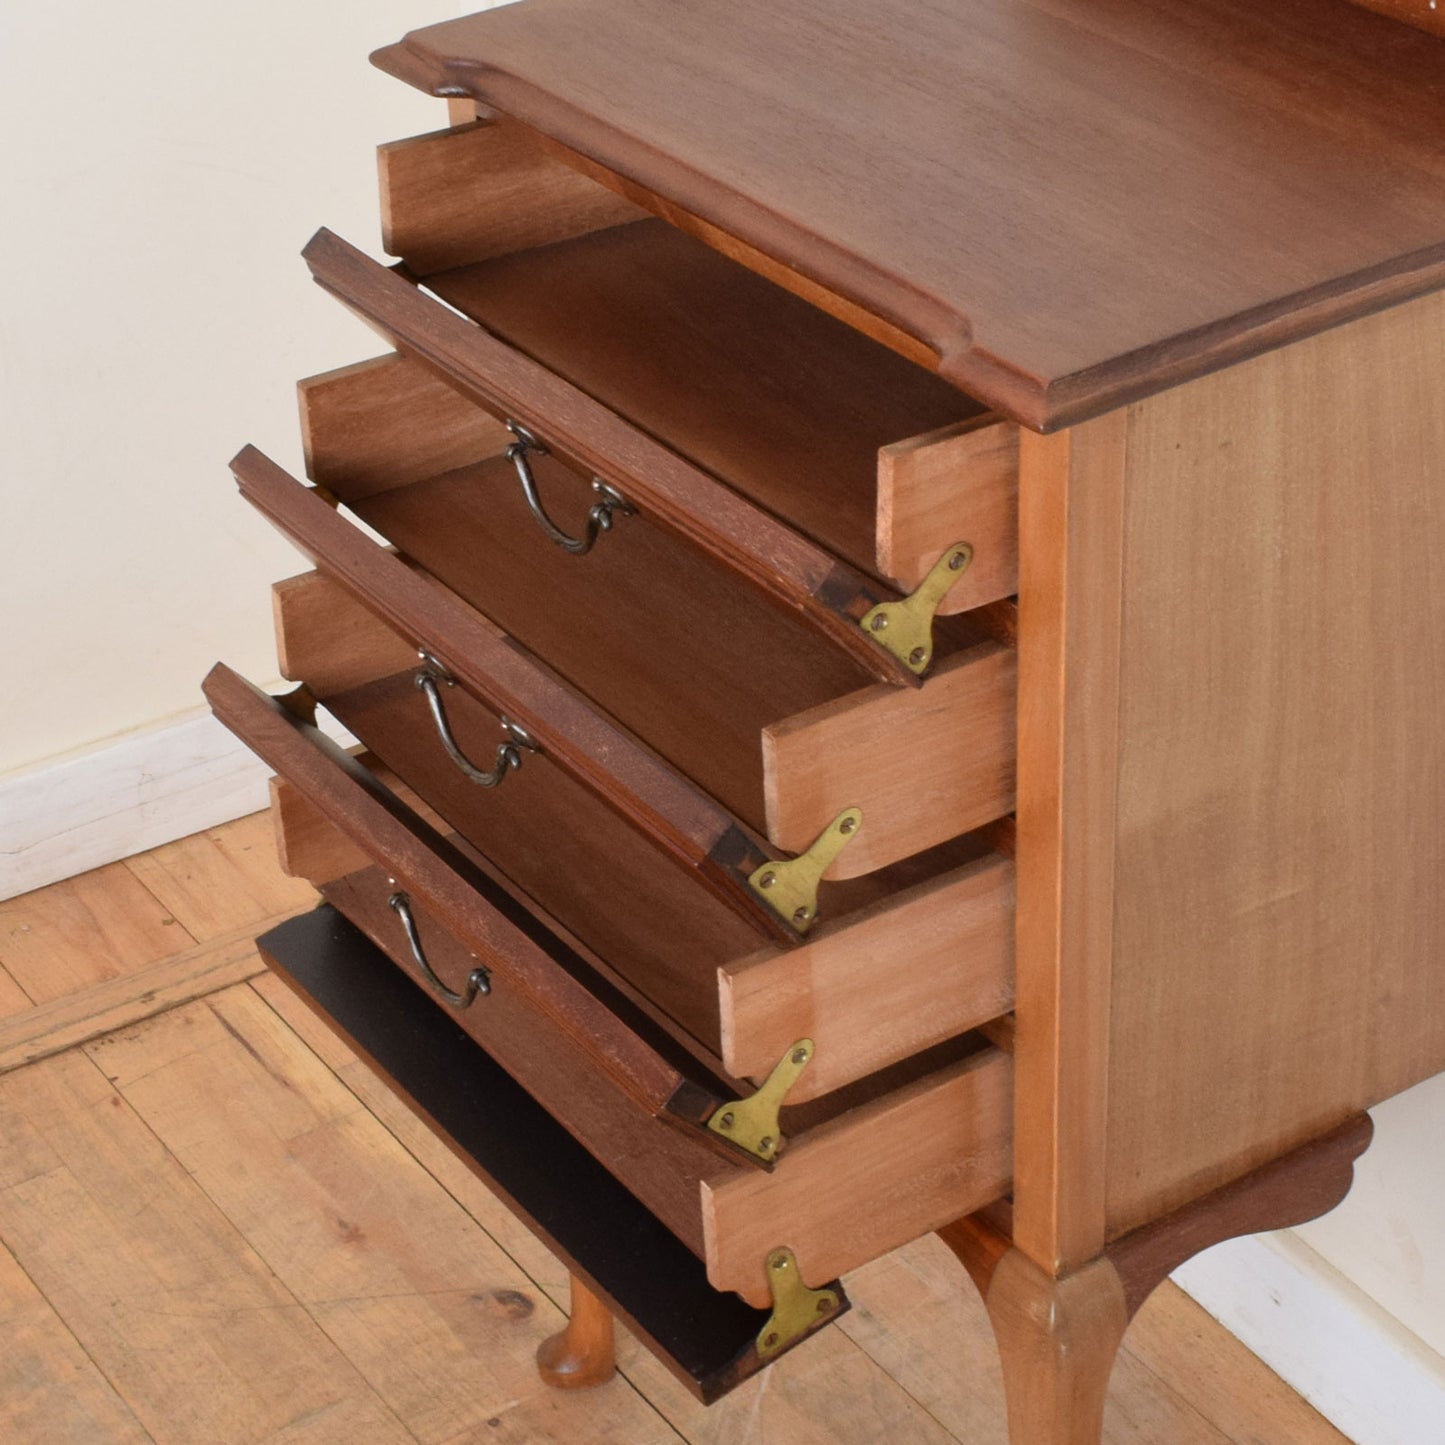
(1058, 1335)
(582, 1354)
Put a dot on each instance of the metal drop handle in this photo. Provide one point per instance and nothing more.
(509, 752)
(609, 502)
(478, 980)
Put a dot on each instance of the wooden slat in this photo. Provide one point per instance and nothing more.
(957, 485)
(483, 190)
(444, 884)
(795, 572)
(624, 772)
(328, 640)
(870, 1180)
(929, 963)
(388, 421)
(1070, 599)
(923, 766)
(307, 845)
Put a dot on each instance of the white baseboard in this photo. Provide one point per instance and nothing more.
(1356, 1364)
(146, 788)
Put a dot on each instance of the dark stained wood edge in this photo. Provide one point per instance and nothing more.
(600, 1231)
(677, 191)
(1289, 1191)
(497, 670)
(793, 571)
(497, 929)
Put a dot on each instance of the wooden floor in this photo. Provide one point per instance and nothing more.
(217, 1228)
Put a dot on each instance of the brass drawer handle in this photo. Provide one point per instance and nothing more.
(478, 980)
(609, 500)
(509, 752)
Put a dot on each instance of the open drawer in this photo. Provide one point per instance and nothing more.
(662, 367)
(874, 1166)
(782, 730)
(871, 455)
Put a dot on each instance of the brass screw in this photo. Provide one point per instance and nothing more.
(918, 656)
(765, 1144)
(800, 916)
(772, 1339)
(780, 1261)
(800, 1056)
(767, 880)
(957, 561)
(727, 1120)
(880, 621)
(848, 825)
(825, 1304)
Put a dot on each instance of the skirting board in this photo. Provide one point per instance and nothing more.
(1357, 1365)
(146, 788)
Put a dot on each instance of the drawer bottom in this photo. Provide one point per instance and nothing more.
(600, 1231)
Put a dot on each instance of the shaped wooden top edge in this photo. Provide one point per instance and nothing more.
(449, 60)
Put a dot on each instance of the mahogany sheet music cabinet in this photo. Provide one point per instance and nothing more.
(901, 687)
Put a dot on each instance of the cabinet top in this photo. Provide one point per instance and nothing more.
(1070, 203)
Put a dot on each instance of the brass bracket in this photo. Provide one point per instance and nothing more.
(752, 1123)
(789, 886)
(906, 628)
(797, 1310)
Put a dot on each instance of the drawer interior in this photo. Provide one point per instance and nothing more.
(869, 454)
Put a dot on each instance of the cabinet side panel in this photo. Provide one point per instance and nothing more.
(1279, 941)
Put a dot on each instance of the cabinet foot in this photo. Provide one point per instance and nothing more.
(582, 1354)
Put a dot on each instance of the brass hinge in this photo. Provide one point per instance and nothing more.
(752, 1123)
(797, 1310)
(906, 628)
(789, 886)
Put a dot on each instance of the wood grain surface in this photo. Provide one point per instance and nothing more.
(965, 171)
(1279, 916)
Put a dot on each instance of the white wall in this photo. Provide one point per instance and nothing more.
(164, 163)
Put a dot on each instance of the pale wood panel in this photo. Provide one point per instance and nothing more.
(872, 1179)
(308, 845)
(218, 881)
(1280, 917)
(77, 1018)
(1071, 500)
(921, 967)
(381, 423)
(826, 1393)
(50, 1390)
(328, 640)
(956, 485)
(462, 195)
(84, 930)
(416, 1297)
(863, 751)
(191, 1328)
(13, 999)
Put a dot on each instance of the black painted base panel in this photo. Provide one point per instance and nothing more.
(600, 1231)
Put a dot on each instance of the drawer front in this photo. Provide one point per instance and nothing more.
(874, 457)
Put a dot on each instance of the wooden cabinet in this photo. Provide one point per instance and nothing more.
(900, 677)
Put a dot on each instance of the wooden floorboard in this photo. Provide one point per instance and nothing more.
(218, 1225)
